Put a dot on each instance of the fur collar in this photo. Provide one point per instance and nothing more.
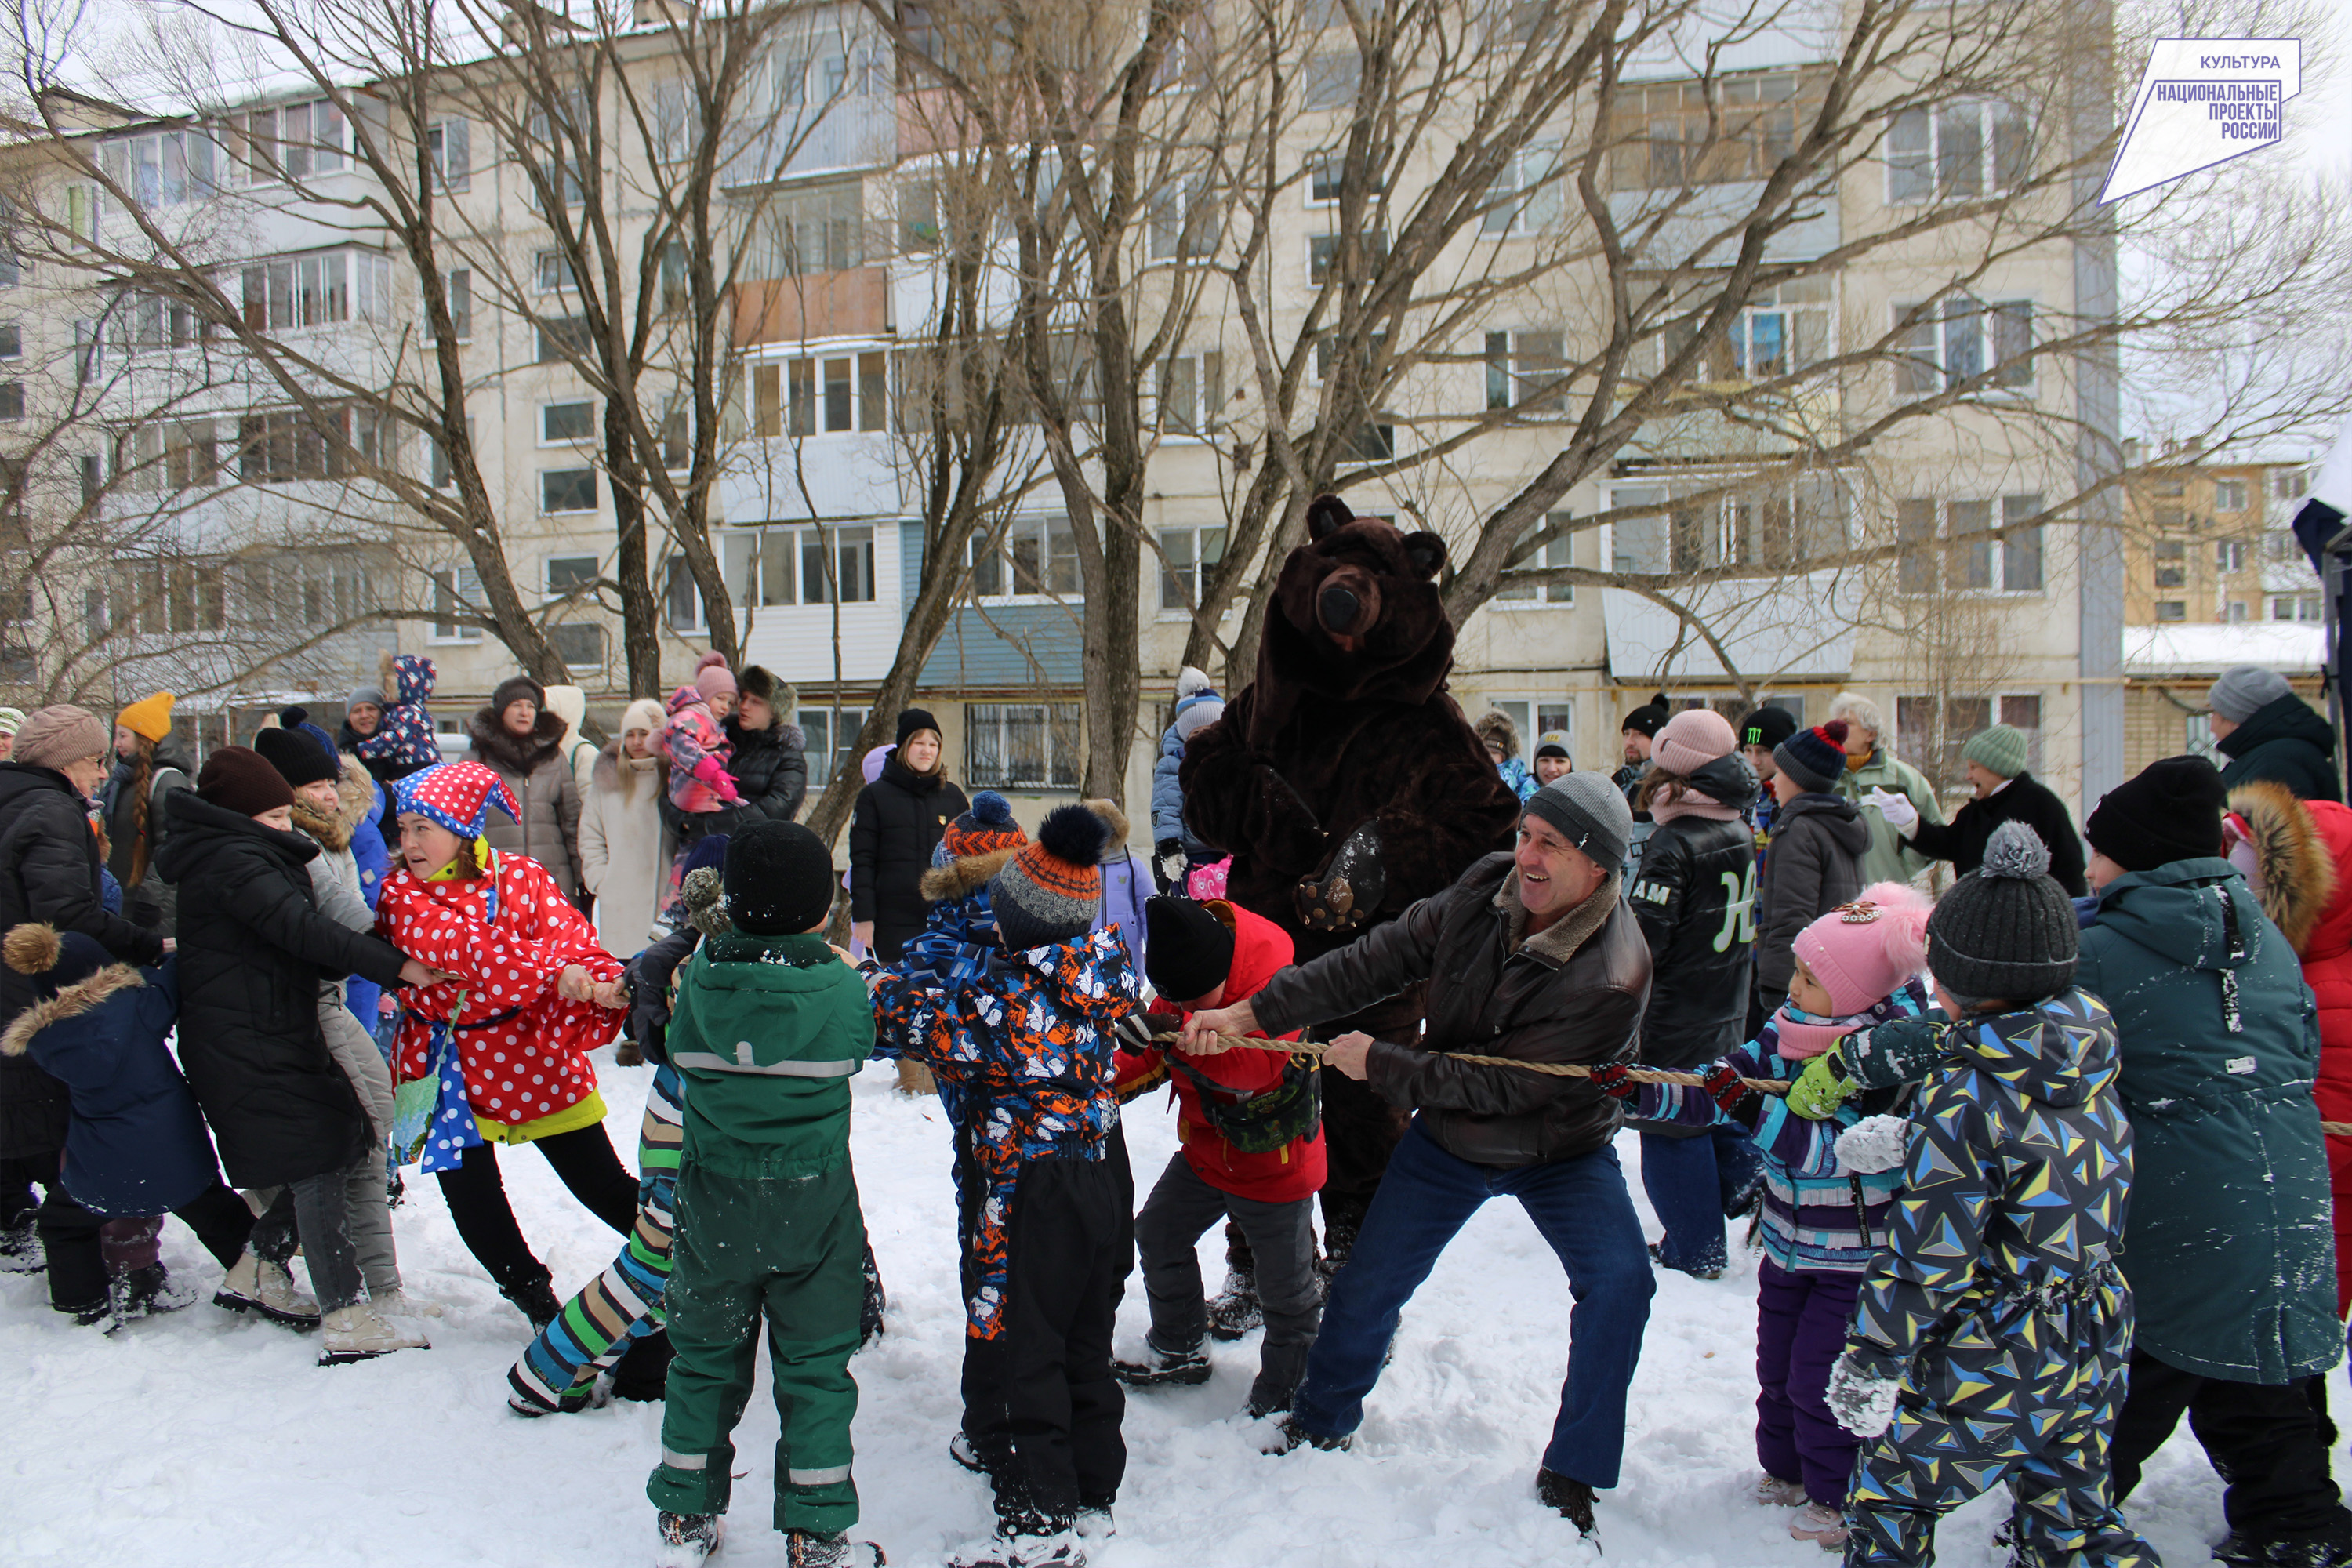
(1114, 847)
(960, 878)
(2298, 874)
(70, 1003)
(355, 803)
(1557, 942)
(512, 754)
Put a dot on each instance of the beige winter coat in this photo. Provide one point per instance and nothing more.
(625, 851)
(535, 768)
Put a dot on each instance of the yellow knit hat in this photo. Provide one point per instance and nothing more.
(150, 716)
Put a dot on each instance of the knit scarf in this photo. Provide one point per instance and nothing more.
(1803, 1037)
(1669, 804)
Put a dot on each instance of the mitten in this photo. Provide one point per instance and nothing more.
(1900, 814)
(1164, 851)
(1862, 1400)
(1346, 892)
(1739, 1102)
(1873, 1144)
(1900, 1051)
(1821, 1088)
(1610, 1079)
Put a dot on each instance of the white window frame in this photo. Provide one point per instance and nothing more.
(2004, 556)
(1172, 574)
(588, 510)
(744, 549)
(2229, 495)
(1041, 525)
(453, 585)
(1542, 596)
(1907, 165)
(547, 587)
(1198, 421)
(1529, 197)
(553, 404)
(1962, 322)
(440, 136)
(1063, 768)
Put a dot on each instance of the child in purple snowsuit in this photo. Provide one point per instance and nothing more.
(1822, 1218)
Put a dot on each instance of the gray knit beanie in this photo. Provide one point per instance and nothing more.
(2246, 689)
(1590, 811)
(2007, 928)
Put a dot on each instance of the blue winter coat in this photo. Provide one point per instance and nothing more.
(1515, 774)
(135, 1143)
(2231, 1251)
(374, 857)
(1126, 884)
(1167, 796)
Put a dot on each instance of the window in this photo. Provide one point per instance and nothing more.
(313, 290)
(11, 341)
(678, 439)
(827, 748)
(2290, 485)
(568, 575)
(458, 286)
(1556, 553)
(1331, 80)
(579, 644)
(2171, 487)
(1782, 524)
(1188, 557)
(551, 272)
(2296, 608)
(676, 282)
(567, 489)
(1020, 746)
(1527, 195)
(2229, 555)
(1187, 221)
(160, 170)
(12, 400)
(1980, 555)
(1524, 369)
(1957, 338)
(562, 421)
(287, 444)
(89, 352)
(1037, 555)
(774, 566)
(93, 478)
(562, 337)
(291, 141)
(558, 164)
(2171, 610)
(190, 454)
(1781, 331)
(918, 217)
(2236, 613)
(1932, 731)
(1668, 136)
(2229, 495)
(1190, 390)
(828, 396)
(1324, 249)
(681, 597)
(820, 228)
(449, 143)
(1956, 151)
(2172, 576)
(457, 595)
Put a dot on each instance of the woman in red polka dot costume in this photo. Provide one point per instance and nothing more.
(535, 996)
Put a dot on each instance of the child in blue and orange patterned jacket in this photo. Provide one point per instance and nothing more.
(1028, 1043)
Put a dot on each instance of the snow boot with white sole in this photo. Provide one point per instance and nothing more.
(1774, 1492)
(1160, 1368)
(687, 1538)
(806, 1549)
(401, 1304)
(256, 1285)
(1821, 1525)
(1061, 1549)
(360, 1332)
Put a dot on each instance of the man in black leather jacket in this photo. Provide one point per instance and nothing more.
(1694, 894)
(1532, 955)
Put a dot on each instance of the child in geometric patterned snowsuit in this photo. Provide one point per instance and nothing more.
(1992, 1335)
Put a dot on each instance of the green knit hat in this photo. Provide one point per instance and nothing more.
(2000, 749)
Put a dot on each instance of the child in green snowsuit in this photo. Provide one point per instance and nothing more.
(768, 1027)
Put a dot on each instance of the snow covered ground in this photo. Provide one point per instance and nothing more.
(198, 1440)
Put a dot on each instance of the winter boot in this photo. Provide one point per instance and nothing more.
(1059, 1549)
(394, 1189)
(1095, 1525)
(804, 1549)
(525, 1400)
(1820, 1524)
(877, 1302)
(1659, 1257)
(1160, 1367)
(642, 1374)
(97, 1314)
(1236, 1311)
(401, 1304)
(961, 1449)
(359, 1332)
(687, 1538)
(256, 1285)
(535, 1298)
(143, 1292)
(20, 1250)
(1572, 1498)
(1774, 1492)
(1288, 1435)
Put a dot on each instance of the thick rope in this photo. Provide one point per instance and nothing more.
(2337, 1128)
(1549, 1069)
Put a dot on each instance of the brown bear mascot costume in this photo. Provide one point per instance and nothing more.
(1346, 785)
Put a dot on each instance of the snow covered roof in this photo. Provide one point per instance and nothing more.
(2291, 647)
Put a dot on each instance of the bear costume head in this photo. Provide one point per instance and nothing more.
(1356, 617)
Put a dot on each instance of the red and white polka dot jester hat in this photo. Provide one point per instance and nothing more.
(458, 796)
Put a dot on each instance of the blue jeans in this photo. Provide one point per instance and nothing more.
(1581, 1208)
(1694, 1183)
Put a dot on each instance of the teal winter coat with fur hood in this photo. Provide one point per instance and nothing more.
(2230, 1250)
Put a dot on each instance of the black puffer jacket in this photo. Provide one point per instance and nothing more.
(899, 820)
(253, 949)
(1572, 994)
(1694, 894)
(49, 871)
(149, 902)
(770, 768)
(1812, 865)
(2283, 741)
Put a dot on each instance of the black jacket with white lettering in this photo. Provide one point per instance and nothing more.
(1694, 894)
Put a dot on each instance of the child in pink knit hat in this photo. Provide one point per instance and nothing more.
(698, 749)
(1823, 1217)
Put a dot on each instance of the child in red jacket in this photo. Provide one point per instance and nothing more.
(1251, 1129)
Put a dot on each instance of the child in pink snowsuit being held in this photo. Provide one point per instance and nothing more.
(698, 749)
